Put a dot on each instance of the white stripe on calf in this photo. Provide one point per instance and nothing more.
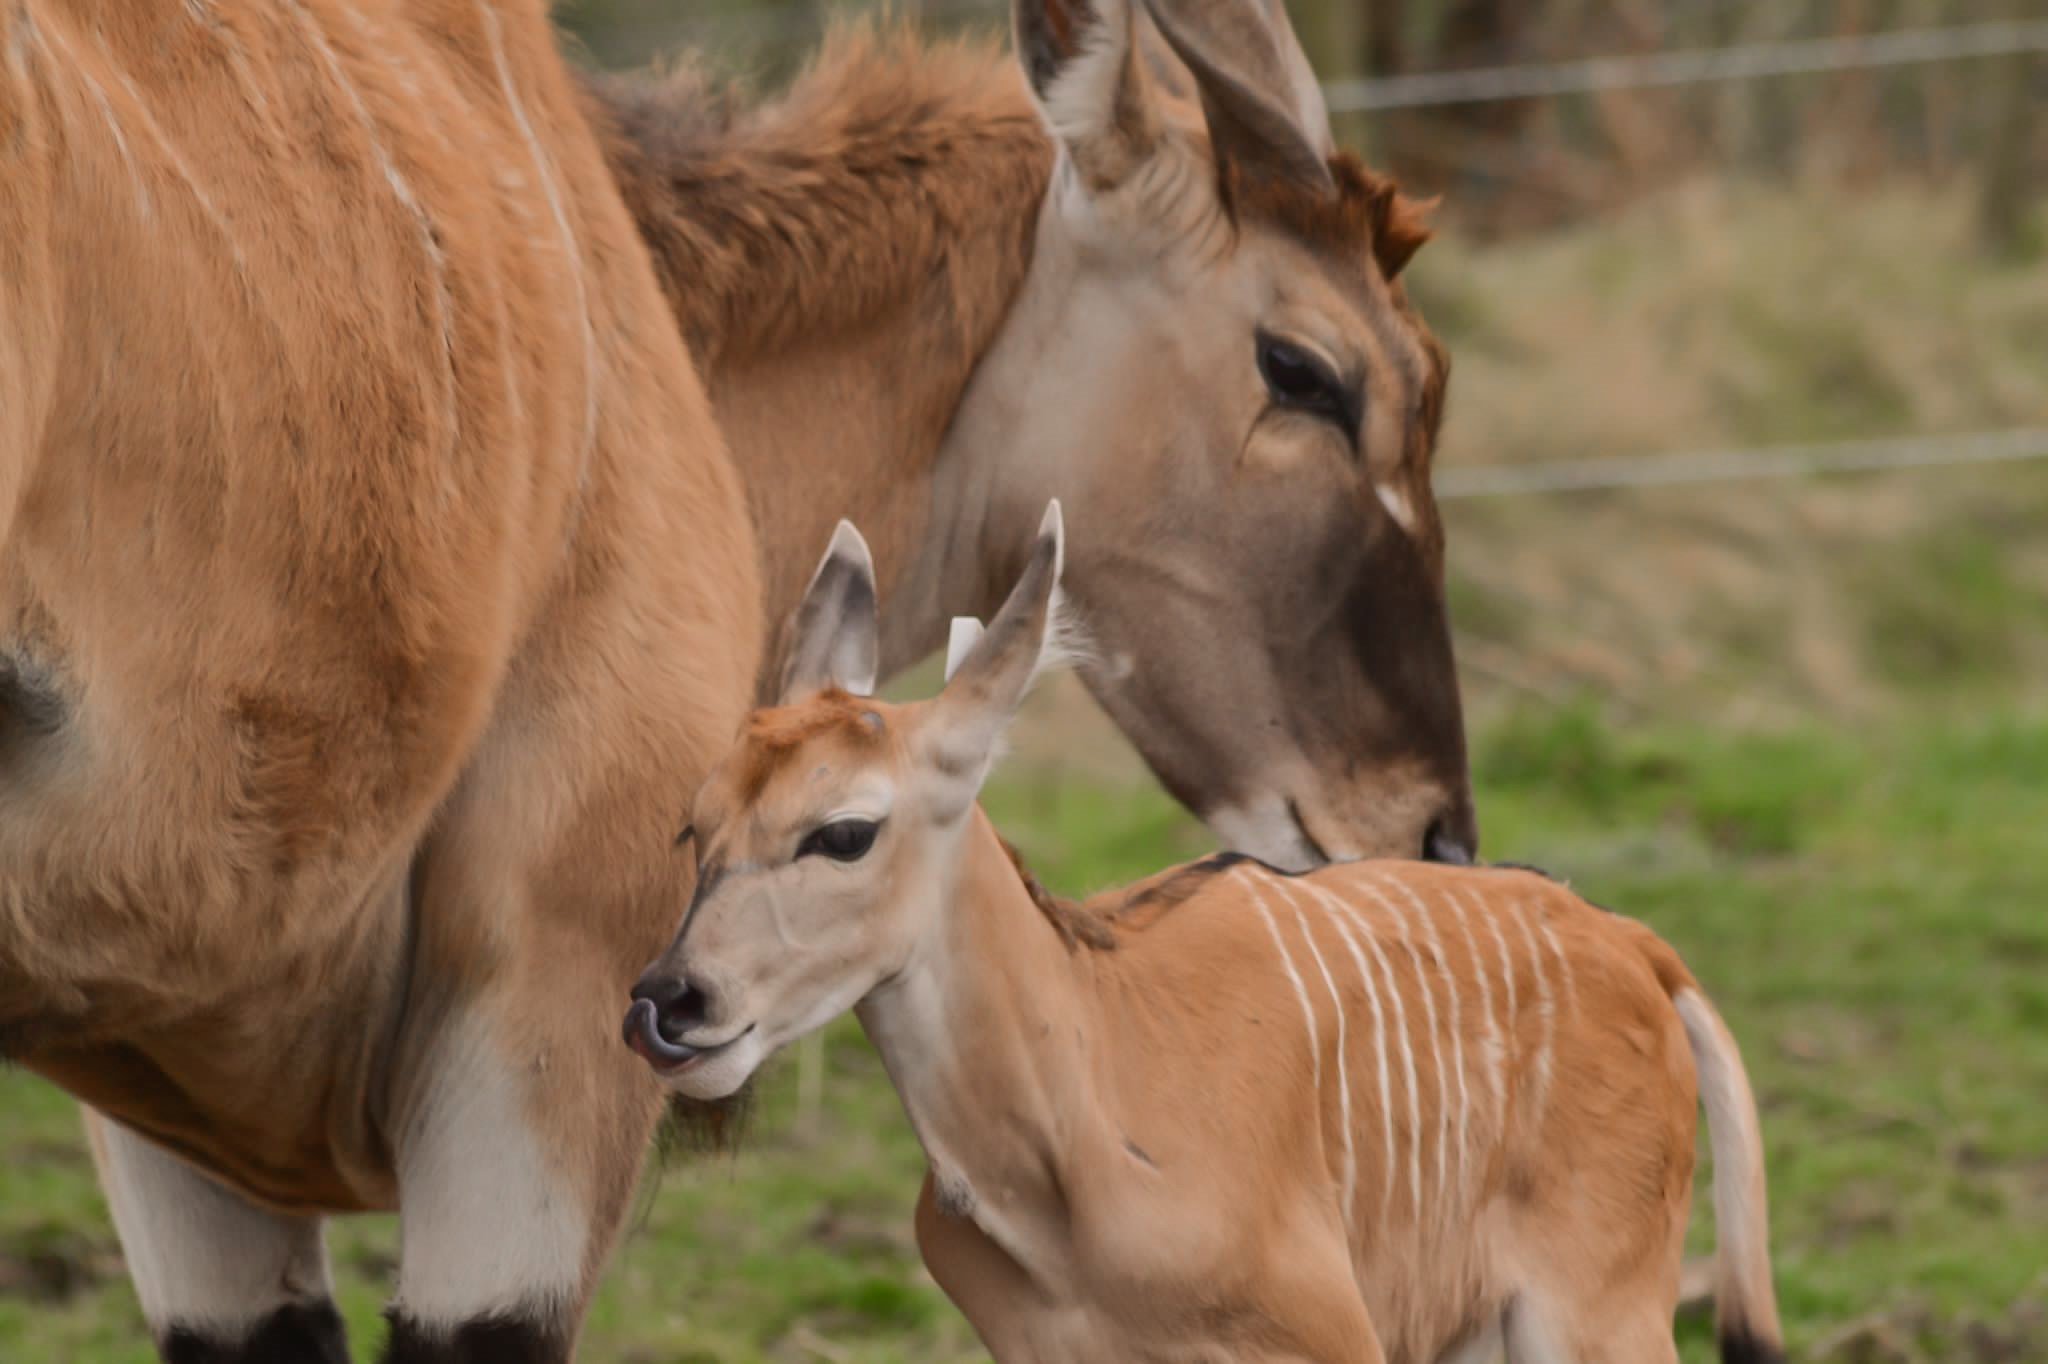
(1308, 1012)
(1436, 1051)
(1496, 1049)
(1546, 1009)
(1379, 1036)
(1341, 907)
(1564, 965)
(1443, 962)
(200, 1255)
(486, 1225)
(1343, 1068)
(1507, 975)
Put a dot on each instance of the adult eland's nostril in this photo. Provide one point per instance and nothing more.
(1442, 845)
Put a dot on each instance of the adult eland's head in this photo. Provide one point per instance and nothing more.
(1211, 360)
(1134, 273)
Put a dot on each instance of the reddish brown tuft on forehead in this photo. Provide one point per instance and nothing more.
(1368, 214)
(771, 736)
(1367, 218)
(784, 727)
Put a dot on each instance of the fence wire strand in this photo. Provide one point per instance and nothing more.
(1801, 56)
(1455, 482)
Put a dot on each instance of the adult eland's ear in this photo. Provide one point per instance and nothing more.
(833, 633)
(1260, 96)
(987, 684)
(1081, 59)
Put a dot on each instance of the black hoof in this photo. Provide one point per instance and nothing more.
(304, 1333)
(486, 1340)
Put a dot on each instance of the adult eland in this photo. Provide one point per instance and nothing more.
(390, 540)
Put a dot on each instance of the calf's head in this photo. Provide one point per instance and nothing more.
(829, 838)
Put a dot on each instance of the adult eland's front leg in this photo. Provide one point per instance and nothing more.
(222, 1281)
(516, 1166)
(493, 1233)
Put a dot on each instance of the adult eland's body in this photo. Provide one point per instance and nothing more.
(366, 539)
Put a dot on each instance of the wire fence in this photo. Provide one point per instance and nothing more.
(1751, 61)
(793, 22)
(796, 21)
(1725, 466)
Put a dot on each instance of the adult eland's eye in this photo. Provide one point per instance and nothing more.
(1298, 379)
(843, 840)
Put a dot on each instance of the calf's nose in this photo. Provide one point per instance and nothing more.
(665, 1011)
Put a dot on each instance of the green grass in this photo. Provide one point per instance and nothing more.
(1867, 906)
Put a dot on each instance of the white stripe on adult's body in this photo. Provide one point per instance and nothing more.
(1436, 946)
(573, 252)
(1379, 1025)
(1308, 1012)
(1345, 908)
(183, 170)
(259, 304)
(423, 222)
(99, 96)
(1436, 1050)
(370, 33)
(223, 34)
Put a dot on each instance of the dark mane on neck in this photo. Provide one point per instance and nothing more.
(865, 187)
(1077, 925)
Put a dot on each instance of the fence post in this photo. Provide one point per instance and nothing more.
(2007, 201)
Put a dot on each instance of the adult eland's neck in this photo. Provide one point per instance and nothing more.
(839, 260)
(986, 1037)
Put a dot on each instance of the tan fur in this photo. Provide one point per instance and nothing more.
(840, 259)
(1385, 1111)
(1156, 1149)
(374, 580)
(372, 566)
(1382, 1111)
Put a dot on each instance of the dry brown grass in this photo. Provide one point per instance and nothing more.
(1725, 317)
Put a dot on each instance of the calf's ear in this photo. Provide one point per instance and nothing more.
(994, 669)
(833, 636)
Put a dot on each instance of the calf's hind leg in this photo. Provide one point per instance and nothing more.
(222, 1281)
(1632, 1333)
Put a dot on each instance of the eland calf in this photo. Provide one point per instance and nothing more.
(1383, 1111)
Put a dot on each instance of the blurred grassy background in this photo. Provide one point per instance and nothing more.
(1799, 726)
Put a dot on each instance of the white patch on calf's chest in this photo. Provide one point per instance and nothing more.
(952, 1194)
